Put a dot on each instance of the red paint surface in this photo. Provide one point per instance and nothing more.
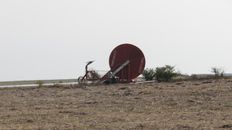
(125, 52)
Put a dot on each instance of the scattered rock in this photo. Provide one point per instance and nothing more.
(226, 126)
(91, 102)
(140, 126)
(122, 88)
(183, 127)
(73, 112)
(127, 93)
(137, 98)
(229, 81)
(179, 83)
(190, 100)
(13, 109)
(29, 121)
(207, 82)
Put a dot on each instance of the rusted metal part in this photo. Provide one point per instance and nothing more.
(89, 74)
(131, 53)
(126, 62)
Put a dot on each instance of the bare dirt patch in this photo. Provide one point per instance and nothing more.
(186, 105)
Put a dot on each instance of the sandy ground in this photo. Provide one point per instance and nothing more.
(185, 105)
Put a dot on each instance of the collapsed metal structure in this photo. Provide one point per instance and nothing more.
(126, 62)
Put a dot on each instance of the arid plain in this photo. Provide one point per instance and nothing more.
(182, 105)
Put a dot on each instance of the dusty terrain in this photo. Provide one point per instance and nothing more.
(185, 105)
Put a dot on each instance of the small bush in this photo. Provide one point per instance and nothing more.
(148, 74)
(218, 72)
(166, 73)
(194, 77)
(40, 83)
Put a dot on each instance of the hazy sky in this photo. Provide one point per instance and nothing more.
(49, 39)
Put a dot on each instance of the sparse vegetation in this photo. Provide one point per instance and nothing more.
(161, 74)
(194, 76)
(193, 105)
(148, 74)
(218, 72)
(40, 83)
(166, 73)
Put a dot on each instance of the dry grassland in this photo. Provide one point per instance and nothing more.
(186, 105)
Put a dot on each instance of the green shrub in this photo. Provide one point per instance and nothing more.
(148, 74)
(166, 73)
